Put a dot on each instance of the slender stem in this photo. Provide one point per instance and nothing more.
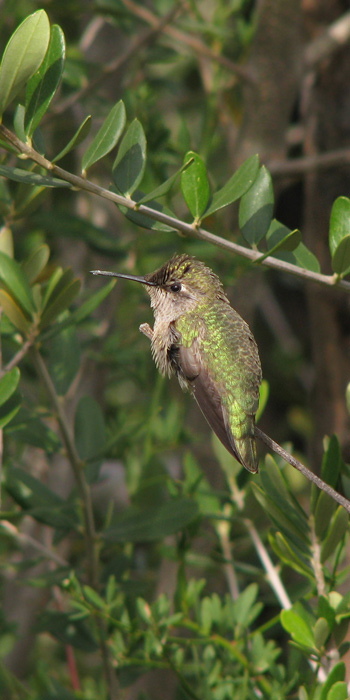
(178, 225)
(274, 579)
(25, 540)
(275, 447)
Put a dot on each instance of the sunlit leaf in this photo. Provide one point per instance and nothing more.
(130, 162)
(238, 184)
(336, 674)
(42, 86)
(15, 280)
(107, 137)
(195, 185)
(13, 312)
(298, 628)
(23, 55)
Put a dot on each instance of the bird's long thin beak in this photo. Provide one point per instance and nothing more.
(107, 273)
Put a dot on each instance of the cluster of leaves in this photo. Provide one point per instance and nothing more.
(217, 647)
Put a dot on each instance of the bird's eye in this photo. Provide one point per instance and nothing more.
(176, 287)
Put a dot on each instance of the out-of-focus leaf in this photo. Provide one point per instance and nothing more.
(321, 632)
(298, 628)
(34, 265)
(195, 186)
(337, 530)
(83, 311)
(256, 208)
(89, 429)
(238, 184)
(42, 86)
(79, 136)
(18, 122)
(263, 399)
(143, 525)
(9, 409)
(107, 137)
(68, 630)
(76, 228)
(339, 226)
(23, 55)
(130, 162)
(341, 257)
(14, 279)
(331, 465)
(27, 427)
(339, 691)
(6, 241)
(60, 303)
(64, 359)
(28, 491)
(291, 531)
(8, 384)
(30, 178)
(335, 675)
(165, 187)
(13, 312)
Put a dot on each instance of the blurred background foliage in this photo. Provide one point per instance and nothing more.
(171, 594)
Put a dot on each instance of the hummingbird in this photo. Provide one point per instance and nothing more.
(200, 338)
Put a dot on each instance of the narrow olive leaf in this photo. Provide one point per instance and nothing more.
(195, 186)
(256, 208)
(147, 524)
(166, 186)
(30, 178)
(289, 242)
(337, 530)
(79, 136)
(14, 313)
(130, 162)
(83, 312)
(23, 55)
(42, 86)
(36, 262)
(339, 225)
(18, 122)
(89, 429)
(141, 219)
(6, 241)
(64, 359)
(9, 409)
(107, 137)
(238, 184)
(14, 279)
(298, 628)
(341, 257)
(60, 303)
(286, 553)
(8, 384)
(323, 512)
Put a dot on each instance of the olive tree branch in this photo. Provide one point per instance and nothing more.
(275, 447)
(191, 230)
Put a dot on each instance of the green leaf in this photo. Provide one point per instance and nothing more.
(107, 137)
(64, 359)
(79, 136)
(14, 313)
(323, 512)
(8, 384)
(337, 531)
(341, 257)
(263, 399)
(68, 630)
(298, 628)
(195, 186)
(245, 603)
(23, 55)
(6, 241)
(9, 409)
(142, 219)
(27, 427)
(165, 187)
(37, 261)
(130, 162)
(14, 279)
(339, 691)
(321, 632)
(83, 311)
(335, 675)
(282, 520)
(289, 242)
(256, 208)
(42, 86)
(289, 556)
(238, 184)
(30, 178)
(28, 491)
(144, 525)
(60, 302)
(89, 429)
(339, 226)
(331, 465)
